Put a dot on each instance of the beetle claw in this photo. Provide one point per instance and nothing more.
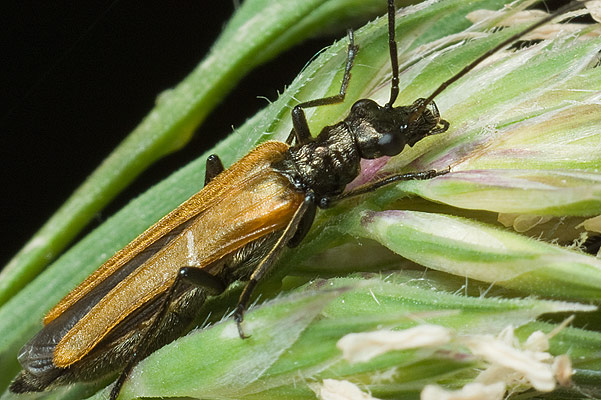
(239, 317)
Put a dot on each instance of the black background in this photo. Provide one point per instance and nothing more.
(78, 76)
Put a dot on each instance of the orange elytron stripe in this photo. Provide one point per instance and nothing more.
(244, 203)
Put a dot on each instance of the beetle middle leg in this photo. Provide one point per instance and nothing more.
(191, 275)
(304, 225)
(300, 130)
(267, 262)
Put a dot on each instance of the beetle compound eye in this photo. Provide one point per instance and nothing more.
(391, 144)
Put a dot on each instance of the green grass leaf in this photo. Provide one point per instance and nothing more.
(497, 147)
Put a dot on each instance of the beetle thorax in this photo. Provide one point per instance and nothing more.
(326, 164)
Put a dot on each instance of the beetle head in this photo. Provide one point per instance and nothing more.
(385, 130)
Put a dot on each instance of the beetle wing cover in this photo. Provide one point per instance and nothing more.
(246, 202)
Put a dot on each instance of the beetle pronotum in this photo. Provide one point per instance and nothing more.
(146, 295)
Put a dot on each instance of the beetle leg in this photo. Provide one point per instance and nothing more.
(202, 279)
(291, 137)
(300, 130)
(195, 276)
(266, 263)
(214, 167)
(303, 226)
(370, 187)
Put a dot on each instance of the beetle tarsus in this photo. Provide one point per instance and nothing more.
(239, 318)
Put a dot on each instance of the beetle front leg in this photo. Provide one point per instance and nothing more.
(300, 130)
(370, 187)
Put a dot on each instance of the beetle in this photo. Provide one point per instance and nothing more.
(147, 294)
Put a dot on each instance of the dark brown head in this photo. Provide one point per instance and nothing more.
(384, 130)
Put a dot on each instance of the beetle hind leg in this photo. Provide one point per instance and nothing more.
(186, 275)
(27, 382)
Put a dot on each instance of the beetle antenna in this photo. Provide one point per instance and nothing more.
(574, 5)
(394, 60)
